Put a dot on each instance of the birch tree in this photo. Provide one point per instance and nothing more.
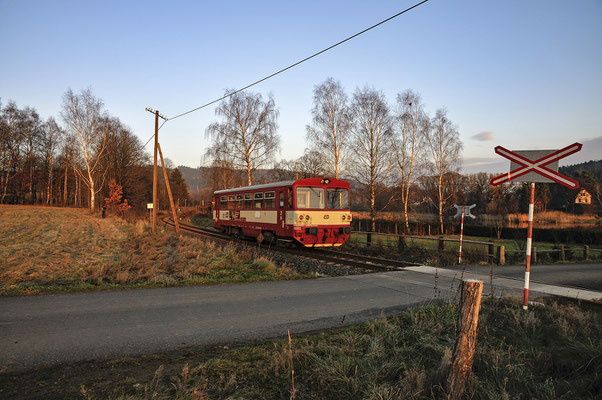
(328, 133)
(82, 115)
(247, 135)
(371, 134)
(412, 124)
(445, 147)
(10, 145)
(50, 141)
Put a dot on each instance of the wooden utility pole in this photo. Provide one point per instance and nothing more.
(155, 172)
(157, 115)
(463, 356)
(173, 208)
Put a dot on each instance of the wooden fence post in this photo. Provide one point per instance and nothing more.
(401, 244)
(441, 243)
(468, 321)
(491, 251)
(562, 255)
(368, 239)
(586, 252)
(501, 255)
(534, 255)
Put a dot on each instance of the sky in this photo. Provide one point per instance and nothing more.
(523, 74)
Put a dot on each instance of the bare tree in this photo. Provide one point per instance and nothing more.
(221, 172)
(247, 135)
(310, 165)
(10, 145)
(284, 170)
(328, 133)
(31, 131)
(50, 140)
(83, 116)
(445, 147)
(412, 124)
(371, 133)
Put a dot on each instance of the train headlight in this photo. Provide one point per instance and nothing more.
(301, 217)
(307, 217)
(343, 217)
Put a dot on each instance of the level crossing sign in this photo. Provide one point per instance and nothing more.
(534, 166)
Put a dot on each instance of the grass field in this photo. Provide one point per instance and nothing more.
(547, 352)
(45, 250)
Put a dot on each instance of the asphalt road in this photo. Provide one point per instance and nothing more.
(584, 276)
(44, 330)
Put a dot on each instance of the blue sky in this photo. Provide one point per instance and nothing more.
(529, 72)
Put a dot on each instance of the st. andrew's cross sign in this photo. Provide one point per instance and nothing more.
(532, 166)
(535, 166)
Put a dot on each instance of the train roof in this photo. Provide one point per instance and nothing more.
(307, 181)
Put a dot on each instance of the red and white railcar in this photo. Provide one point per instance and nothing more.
(313, 212)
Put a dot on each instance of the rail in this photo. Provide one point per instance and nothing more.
(325, 255)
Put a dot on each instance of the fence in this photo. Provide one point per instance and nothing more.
(485, 250)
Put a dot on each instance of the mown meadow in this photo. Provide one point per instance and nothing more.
(49, 250)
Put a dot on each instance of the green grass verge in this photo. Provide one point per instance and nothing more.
(551, 352)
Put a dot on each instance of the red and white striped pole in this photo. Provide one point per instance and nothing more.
(461, 234)
(528, 252)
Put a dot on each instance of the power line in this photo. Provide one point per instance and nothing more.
(151, 138)
(299, 62)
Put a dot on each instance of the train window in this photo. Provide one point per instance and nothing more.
(337, 199)
(270, 200)
(239, 201)
(258, 200)
(310, 197)
(223, 204)
(281, 199)
(231, 202)
(248, 200)
(290, 198)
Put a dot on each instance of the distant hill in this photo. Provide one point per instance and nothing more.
(593, 167)
(195, 177)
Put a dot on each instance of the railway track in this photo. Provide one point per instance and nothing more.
(325, 255)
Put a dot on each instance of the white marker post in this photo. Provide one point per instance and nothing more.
(461, 210)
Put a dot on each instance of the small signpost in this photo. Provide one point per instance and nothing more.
(535, 166)
(463, 210)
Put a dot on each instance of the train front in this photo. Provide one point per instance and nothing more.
(321, 213)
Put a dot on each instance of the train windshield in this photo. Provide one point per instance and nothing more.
(310, 197)
(337, 199)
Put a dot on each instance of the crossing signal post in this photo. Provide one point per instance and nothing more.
(463, 211)
(534, 166)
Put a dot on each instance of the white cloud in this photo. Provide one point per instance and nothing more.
(485, 136)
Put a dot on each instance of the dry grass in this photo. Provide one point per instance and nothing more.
(60, 249)
(547, 352)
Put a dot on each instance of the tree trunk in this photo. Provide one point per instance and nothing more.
(5, 186)
(441, 206)
(92, 193)
(76, 193)
(65, 186)
(405, 210)
(49, 187)
(468, 321)
(372, 208)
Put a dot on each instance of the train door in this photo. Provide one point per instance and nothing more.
(281, 209)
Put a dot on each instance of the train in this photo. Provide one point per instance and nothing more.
(311, 212)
